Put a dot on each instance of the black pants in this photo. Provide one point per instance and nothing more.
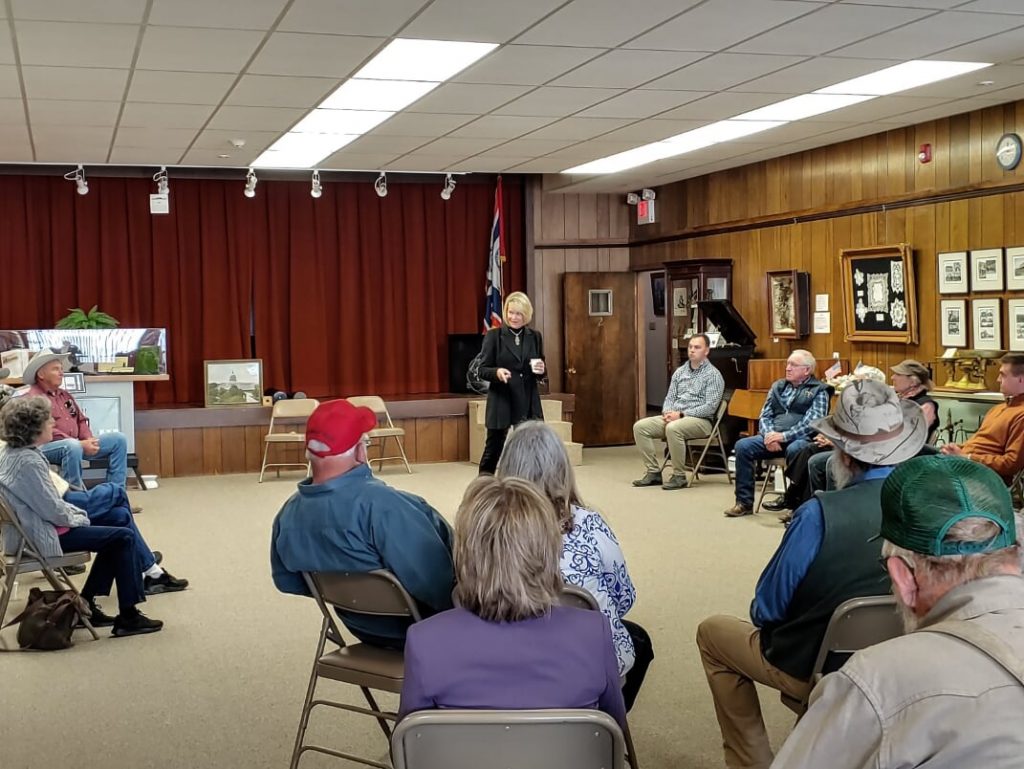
(644, 654)
(799, 490)
(117, 560)
(492, 450)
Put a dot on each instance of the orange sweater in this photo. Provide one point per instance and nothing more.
(999, 442)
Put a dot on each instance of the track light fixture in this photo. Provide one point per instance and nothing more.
(381, 185)
(78, 177)
(449, 187)
(316, 190)
(163, 186)
(250, 184)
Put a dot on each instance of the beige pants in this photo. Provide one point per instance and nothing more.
(730, 649)
(648, 432)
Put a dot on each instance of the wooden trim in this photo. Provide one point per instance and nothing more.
(584, 244)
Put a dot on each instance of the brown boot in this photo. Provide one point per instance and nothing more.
(738, 511)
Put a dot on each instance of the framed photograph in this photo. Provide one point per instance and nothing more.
(1015, 269)
(1015, 317)
(953, 322)
(879, 294)
(233, 382)
(788, 303)
(987, 270)
(987, 318)
(680, 302)
(658, 293)
(953, 273)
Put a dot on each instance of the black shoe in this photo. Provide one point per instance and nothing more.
(136, 623)
(98, 618)
(165, 583)
(777, 505)
(675, 482)
(651, 479)
(158, 557)
(78, 568)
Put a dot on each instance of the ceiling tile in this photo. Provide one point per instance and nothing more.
(526, 64)
(554, 101)
(578, 128)
(627, 69)
(349, 161)
(293, 53)
(529, 147)
(143, 114)
(12, 111)
(71, 113)
(457, 146)
(383, 145)
(994, 6)
(350, 17)
(6, 49)
(539, 166)
(876, 109)
(13, 133)
(58, 82)
(487, 164)
(197, 50)
(722, 71)
(575, 23)
(103, 11)
(15, 152)
(238, 159)
(179, 87)
(966, 86)
(646, 131)
(713, 26)
(936, 5)
(642, 103)
(813, 74)
(75, 144)
(257, 118)
(425, 163)
(480, 21)
(501, 127)
(281, 91)
(829, 28)
(219, 140)
(148, 156)
(996, 48)
(225, 14)
(461, 98)
(129, 136)
(936, 33)
(719, 106)
(65, 44)
(420, 124)
(10, 86)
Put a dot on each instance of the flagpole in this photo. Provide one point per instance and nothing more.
(501, 237)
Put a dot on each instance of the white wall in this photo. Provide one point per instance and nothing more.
(655, 330)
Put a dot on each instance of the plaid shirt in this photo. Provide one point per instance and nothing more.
(695, 392)
(817, 410)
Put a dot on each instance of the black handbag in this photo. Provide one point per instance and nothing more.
(49, 619)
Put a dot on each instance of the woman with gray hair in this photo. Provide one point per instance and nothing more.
(56, 526)
(509, 645)
(591, 557)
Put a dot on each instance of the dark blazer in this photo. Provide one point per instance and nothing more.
(519, 400)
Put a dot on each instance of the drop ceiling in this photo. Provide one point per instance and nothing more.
(176, 82)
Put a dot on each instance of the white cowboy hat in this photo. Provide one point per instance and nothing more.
(28, 376)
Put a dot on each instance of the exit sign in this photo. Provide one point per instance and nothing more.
(645, 212)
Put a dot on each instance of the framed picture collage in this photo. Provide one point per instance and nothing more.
(976, 321)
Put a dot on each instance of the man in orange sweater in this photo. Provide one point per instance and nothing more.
(999, 442)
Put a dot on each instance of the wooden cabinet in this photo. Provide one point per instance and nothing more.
(686, 283)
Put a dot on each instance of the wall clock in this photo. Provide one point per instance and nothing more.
(1008, 151)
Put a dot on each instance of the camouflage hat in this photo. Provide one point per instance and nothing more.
(871, 423)
(925, 497)
(910, 367)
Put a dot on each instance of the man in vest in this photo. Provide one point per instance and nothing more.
(785, 425)
(827, 556)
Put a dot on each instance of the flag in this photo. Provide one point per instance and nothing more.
(833, 371)
(495, 259)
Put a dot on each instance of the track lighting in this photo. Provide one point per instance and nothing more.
(78, 177)
(163, 186)
(250, 184)
(381, 185)
(316, 190)
(449, 187)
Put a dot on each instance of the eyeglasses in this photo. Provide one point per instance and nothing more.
(883, 561)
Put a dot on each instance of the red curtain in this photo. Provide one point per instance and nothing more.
(346, 294)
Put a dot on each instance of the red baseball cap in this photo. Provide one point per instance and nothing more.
(338, 425)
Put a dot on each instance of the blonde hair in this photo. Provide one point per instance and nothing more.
(507, 550)
(535, 453)
(521, 302)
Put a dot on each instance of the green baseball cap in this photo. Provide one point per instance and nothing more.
(924, 497)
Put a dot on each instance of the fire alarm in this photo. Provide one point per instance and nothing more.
(924, 154)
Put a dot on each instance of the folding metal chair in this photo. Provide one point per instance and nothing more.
(772, 465)
(291, 410)
(27, 558)
(704, 445)
(376, 593)
(385, 430)
(515, 739)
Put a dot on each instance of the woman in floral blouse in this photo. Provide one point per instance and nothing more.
(591, 556)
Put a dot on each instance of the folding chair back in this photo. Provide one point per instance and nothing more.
(386, 429)
(514, 739)
(300, 408)
(578, 597)
(705, 444)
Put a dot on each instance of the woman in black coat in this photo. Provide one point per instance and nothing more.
(512, 360)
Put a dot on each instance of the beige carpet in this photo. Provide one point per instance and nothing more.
(222, 685)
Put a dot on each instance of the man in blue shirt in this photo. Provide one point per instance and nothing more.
(827, 556)
(344, 519)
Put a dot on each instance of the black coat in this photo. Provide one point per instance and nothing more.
(519, 399)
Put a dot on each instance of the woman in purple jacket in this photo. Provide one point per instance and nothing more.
(510, 645)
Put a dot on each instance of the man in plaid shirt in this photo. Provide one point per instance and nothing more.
(792, 406)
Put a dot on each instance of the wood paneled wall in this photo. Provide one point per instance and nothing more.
(830, 183)
(569, 233)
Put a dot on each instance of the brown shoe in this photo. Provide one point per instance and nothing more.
(738, 510)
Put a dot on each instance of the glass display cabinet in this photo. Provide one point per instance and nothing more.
(688, 282)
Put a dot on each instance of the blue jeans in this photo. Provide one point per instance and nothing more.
(748, 451)
(117, 560)
(107, 505)
(68, 454)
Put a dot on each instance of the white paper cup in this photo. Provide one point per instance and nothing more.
(536, 364)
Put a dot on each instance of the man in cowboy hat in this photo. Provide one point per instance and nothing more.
(825, 558)
(73, 440)
(344, 519)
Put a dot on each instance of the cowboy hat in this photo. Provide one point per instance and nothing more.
(28, 376)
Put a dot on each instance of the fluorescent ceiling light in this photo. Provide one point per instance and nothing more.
(389, 95)
(722, 131)
(911, 74)
(297, 150)
(648, 153)
(800, 107)
(433, 60)
(340, 121)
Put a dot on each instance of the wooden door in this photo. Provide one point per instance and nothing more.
(601, 355)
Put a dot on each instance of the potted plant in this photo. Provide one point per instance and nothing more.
(79, 318)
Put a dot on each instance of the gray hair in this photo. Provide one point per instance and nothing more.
(535, 453)
(805, 358)
(320, 446)
(22, 420)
